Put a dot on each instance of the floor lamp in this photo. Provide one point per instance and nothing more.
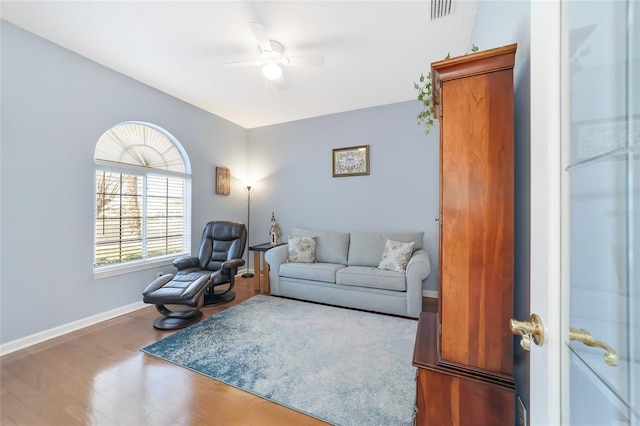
(248, 274)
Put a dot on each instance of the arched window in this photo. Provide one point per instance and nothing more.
(142, 198)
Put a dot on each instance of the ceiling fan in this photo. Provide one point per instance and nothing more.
(272, 57)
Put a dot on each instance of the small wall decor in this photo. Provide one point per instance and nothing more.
(223, 181)
(352, 161)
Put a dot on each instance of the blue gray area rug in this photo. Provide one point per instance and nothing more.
(342, 366)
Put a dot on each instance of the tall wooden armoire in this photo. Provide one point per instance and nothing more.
(464, 354)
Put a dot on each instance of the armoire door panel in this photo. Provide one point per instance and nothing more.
(477, 221)
(464, 353)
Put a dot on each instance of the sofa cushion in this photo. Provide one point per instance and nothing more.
(406, 237)
(396, 255)
(331, 247)
(365, 249)
(325, 272)
(302, 250)
(365, 276)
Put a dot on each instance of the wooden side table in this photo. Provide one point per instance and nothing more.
(260, 267)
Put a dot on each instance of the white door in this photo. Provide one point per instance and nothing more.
(585, 218)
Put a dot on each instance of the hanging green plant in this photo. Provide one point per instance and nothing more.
(425, 117)
(425, 96)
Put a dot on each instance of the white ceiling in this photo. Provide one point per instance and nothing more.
(373, 50)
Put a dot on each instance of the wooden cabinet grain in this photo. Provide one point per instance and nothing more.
(473, 346)
(449, 396)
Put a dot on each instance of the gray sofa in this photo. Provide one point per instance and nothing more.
(346, 272)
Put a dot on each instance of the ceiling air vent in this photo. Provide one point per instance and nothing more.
(440, 8)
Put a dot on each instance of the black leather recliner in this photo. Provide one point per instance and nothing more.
(198, 278)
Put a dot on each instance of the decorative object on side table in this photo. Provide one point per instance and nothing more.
(248, 274)
(274, 231)
(352, 161)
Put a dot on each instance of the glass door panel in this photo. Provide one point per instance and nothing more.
(595, 404)
(604, 198)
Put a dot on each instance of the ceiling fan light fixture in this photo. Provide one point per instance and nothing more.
(272, 71)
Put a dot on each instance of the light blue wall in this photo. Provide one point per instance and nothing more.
(499, 23)
(292, 164)
(55, 106)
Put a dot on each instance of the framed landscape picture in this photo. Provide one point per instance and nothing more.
(352, 161)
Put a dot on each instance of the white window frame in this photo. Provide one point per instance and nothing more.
(104, 271)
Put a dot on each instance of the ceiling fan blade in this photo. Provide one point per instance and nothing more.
(241, 64)
(311, 60)
(261, 36)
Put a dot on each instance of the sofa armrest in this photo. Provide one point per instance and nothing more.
(276, 257)
(418, 269)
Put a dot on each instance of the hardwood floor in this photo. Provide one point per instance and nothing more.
(98, 375)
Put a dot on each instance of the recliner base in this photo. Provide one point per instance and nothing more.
(218, 299)
(172, 323)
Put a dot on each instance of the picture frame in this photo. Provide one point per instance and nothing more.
(223, 181)
(595, 138)
(351, 161)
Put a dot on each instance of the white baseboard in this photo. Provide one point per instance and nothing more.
(430, 293)
(42, 336)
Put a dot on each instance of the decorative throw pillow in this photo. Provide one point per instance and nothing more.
(396, 255)
(302, 250)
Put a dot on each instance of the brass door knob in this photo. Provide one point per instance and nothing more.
(584, 336)
(528, 330)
